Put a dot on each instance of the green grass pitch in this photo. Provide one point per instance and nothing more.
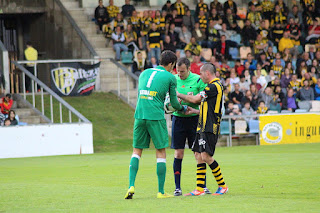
(281, 178)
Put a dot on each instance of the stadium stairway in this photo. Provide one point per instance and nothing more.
(26, 113)
(108, 70)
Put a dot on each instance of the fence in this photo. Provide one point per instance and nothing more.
(4, 67)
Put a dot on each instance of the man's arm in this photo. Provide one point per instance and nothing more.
(191, 110)
(194, 99)
(173, 95)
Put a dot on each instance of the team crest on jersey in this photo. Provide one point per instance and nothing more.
(64, 79)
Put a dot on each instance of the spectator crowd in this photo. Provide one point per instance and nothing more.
(267, 55)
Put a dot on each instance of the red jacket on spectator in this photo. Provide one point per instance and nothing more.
(5, 107)
(239, 69)
(195, 67)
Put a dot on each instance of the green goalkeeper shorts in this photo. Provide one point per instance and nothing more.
(144, 130)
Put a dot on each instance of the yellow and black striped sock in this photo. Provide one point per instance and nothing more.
(201, 176)
(216, 171)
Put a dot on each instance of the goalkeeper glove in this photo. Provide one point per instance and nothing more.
(184, 109)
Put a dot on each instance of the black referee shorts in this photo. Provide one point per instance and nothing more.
(183, 128)
(205, 142)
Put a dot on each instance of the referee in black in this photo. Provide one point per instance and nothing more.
(208, 129)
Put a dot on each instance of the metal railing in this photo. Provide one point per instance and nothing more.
(4, 66)
(44, 88)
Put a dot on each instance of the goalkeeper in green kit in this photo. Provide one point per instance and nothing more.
(150, 122)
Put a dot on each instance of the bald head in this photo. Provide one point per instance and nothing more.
(209, 67)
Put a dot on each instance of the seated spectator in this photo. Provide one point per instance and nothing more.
(199, 35)
(266, 96)
(263, 72)
(305, 57)
(311, 80)
(261, 79)
(7, 122)
(274, 83)
(201, 6)
(289, 102)
(112, 10)
(302, 69)
(189, 56)
(277, 68)
(194, 47)
(215, 62)
(101, 16)
(249, 98)
(168, 44)
(252, 62)
(217, 6)
(184, 37)
(313, 73)
(223, 47)
(196, 65)
(180, 6)
(227, 33)
(247, 76)
(285, 79)
(216, 17)
(254, 16)
(177, 20)
(296, 15)
(230, 19)
(271, 76)
(247, 110)
(167, 7)
(229, 108)
(212, 35)
(6, 104)
(278, 56)
(313, 32)
(276, 33)
(262, 109)
(294, 32)
(127, 9)
(264, 32)
(139, 64)
(154, 43)
(118, 42)
(202, 20)
(267, 7)
(188, 21)
(248, 34)
(236, 95)
(254, 81)
(305, 93)
(12, 117)
(131, 39)
(239, 67)
(317, 90)
(278, 16)
(270, 55)
(233, 79)
(294, 83)
(119, 21)
(260, 45)
(290, 67)
(287, 57)
(244, 85)
(153, 63)
(230, 4)
(285, 42)
(278, 96)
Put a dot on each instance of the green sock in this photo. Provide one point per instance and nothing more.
(161, 172)
(133, 169)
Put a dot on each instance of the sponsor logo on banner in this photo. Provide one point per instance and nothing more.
(272, 133)
(74, 78)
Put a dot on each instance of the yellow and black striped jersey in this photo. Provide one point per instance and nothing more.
(267, 6)
(202, 7)
(263, 110)
(210, 108)
(145, 23)
(113, 11)
(135, 21)
(180, 7)
(203, 22)
(277, 70)
(294, 85)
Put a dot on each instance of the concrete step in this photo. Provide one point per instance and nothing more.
(80, 17)
(31, 119)
(86, 24)
(24, 112)
(70, 4)
(77, 12)
(107, 52)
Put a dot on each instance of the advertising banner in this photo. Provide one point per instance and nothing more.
(74, 79)
(289, 129)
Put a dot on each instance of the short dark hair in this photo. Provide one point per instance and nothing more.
(29, 43)
(261, 102)
(168, 57)
(8, 95)
(246, 102)
(182, 61)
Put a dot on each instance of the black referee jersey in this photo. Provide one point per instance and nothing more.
(210, 108)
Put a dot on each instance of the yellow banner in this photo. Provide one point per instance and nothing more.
(289, 129)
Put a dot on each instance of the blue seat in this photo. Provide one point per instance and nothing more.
(254, 126)
(224, 128)
(230, 64)
(236, 38)
(301, 110)
(126, 57)
(234, 52)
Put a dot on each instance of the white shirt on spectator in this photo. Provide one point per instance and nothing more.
(262, 81)
(116, 37)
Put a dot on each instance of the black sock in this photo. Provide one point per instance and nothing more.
(177, 172)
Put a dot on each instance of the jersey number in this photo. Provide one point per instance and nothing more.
(151, 78)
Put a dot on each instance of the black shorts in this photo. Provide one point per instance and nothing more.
(205, 142)
(183, 128)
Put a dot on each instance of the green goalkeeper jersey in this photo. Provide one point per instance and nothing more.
(192, 85)
(154, 84)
